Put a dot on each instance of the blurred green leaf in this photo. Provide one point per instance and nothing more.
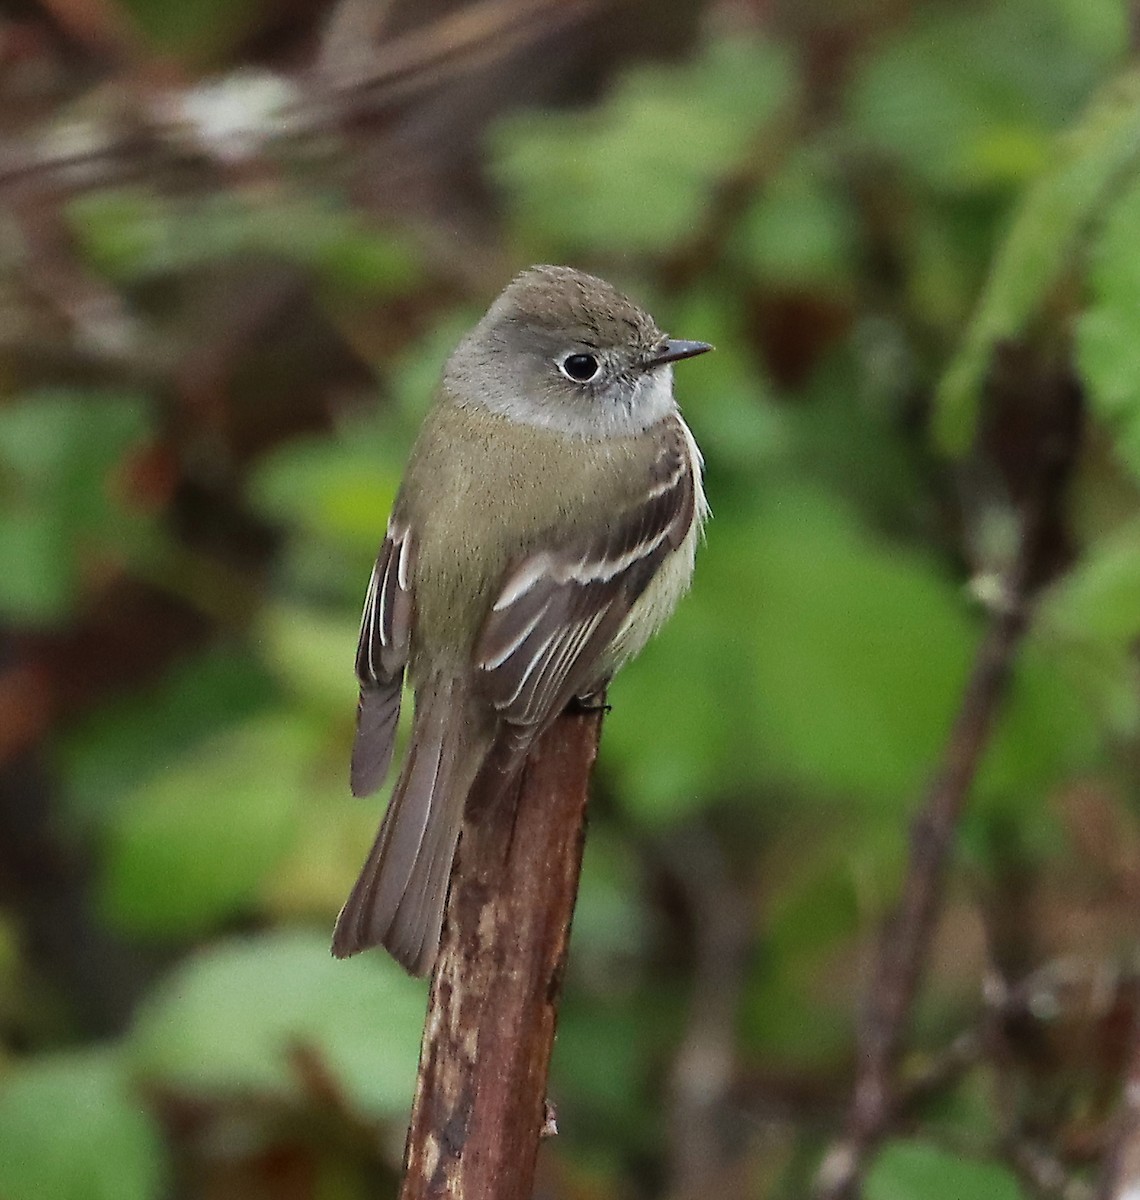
(618, 1034)
(1049, 232)
(229, 1020)
(636, 173)
(1091, 616)
(843, 433)
(354, 257)
(1099, 598)
(699, 666)
(609, 918)
(917, 1171)
(947, 250)
(1098, 27)
(970, 99)
(74, 1130)
(133, 234)
(332, 834)
(122, 743)
(964, 1114)
(414, 375)
(62, 507)
(791, 1016)
(125, 233)
(727, 397)
(312, 654)
(339, 489)
(1107, 353)
(817, 906)
(792, 1010)
(191, 845)
(814, 633)
(44, 587)
(859, 646)
(1047, 730)
(801, 230)
(195, 29)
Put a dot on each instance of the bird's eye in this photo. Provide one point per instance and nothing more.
(581, 368)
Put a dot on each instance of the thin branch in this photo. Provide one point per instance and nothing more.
(1120, 1179)
(480, 1108)
(459, 41)
(1029, 434)
(349, 36)
(238, 117)
(702, 1077)
(943, 1070)
(906, 940)
(1043, 1175)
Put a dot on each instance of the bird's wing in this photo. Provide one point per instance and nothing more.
(381, 655)
(561, 606)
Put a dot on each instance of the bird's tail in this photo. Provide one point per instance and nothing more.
(399, 899)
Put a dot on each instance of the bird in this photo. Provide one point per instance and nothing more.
(545, 528)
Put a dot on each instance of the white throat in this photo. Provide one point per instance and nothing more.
(611, 414)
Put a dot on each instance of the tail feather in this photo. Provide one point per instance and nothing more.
(399, 899)
(377, 715)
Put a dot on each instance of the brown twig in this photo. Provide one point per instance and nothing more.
(1028, 438)
(458, 41)
(700, 1083)
(179, 125)
(943, 1070)
(1043, 1175)
(902, 953)
(1120, 1178)
(480, 1107)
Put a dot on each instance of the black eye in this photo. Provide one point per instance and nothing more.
(579, 367)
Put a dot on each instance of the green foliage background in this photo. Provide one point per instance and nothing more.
(858, 245)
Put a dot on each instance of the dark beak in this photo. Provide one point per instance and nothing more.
(674, 350)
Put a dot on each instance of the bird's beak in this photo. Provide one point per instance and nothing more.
(675, 349)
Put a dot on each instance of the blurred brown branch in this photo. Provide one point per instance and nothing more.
(460, 41)
(236, 118)
(701, 1078)
(480, 1107)
(1042, 1175)
(1121, 1176)
(904, 943)
(1028, 440)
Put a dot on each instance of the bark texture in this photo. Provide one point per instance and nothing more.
(480, 1107)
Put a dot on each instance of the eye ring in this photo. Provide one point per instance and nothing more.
(580, 368)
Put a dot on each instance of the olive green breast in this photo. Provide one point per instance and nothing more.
(481, 490)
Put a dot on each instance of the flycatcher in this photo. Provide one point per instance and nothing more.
(544, 531)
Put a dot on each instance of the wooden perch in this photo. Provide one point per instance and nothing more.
(480, 1106)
